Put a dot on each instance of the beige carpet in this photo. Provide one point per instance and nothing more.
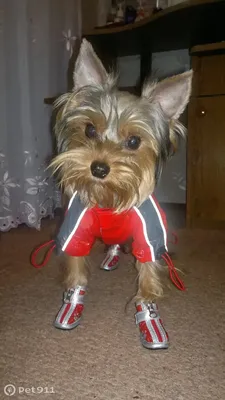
(103, 359)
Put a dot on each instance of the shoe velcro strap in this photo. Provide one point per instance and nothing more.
(78, 299)
(142, 316)
(75, 299)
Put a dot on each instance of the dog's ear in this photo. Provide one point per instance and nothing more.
(88, 67)
(172, 93)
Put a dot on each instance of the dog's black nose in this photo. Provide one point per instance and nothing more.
(99, 169)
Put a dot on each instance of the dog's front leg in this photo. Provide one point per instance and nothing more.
(152, 332)
(69, 315)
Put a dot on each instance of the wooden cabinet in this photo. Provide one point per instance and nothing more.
(209, 77)
(206, 144)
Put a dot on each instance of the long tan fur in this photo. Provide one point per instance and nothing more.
(76, 272)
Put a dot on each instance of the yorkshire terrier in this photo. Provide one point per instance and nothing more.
(112, 146)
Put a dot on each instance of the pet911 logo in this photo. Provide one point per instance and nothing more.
(11, 390)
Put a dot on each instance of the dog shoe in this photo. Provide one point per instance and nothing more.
(152, 332)
(111, 260)
(69, 315)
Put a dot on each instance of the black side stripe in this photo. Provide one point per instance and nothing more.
(72, 219)
(154, 229)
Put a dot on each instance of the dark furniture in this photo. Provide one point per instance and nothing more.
(198, 25)
(206, 139)
(182, 26)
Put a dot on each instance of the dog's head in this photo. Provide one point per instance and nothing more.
(112, 144)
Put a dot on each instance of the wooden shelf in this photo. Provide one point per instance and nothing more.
(208, 48)
(50, 100)
(152, 18)
(191, 23)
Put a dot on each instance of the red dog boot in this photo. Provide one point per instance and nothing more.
(69, 315)
(111, 260)
(152, 332)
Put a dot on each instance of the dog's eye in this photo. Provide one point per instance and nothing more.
(90, 131)
(133, 142)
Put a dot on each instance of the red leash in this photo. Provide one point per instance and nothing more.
(173, 273)
(47, 255)
(172, 270)
(175, 238)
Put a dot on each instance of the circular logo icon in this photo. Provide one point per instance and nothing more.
(9, 390)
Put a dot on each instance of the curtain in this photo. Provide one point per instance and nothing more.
(37, 39)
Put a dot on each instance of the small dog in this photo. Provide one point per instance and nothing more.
(112, 147)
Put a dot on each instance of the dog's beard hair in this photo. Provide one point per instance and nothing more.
(132, 173)
(127, 184)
